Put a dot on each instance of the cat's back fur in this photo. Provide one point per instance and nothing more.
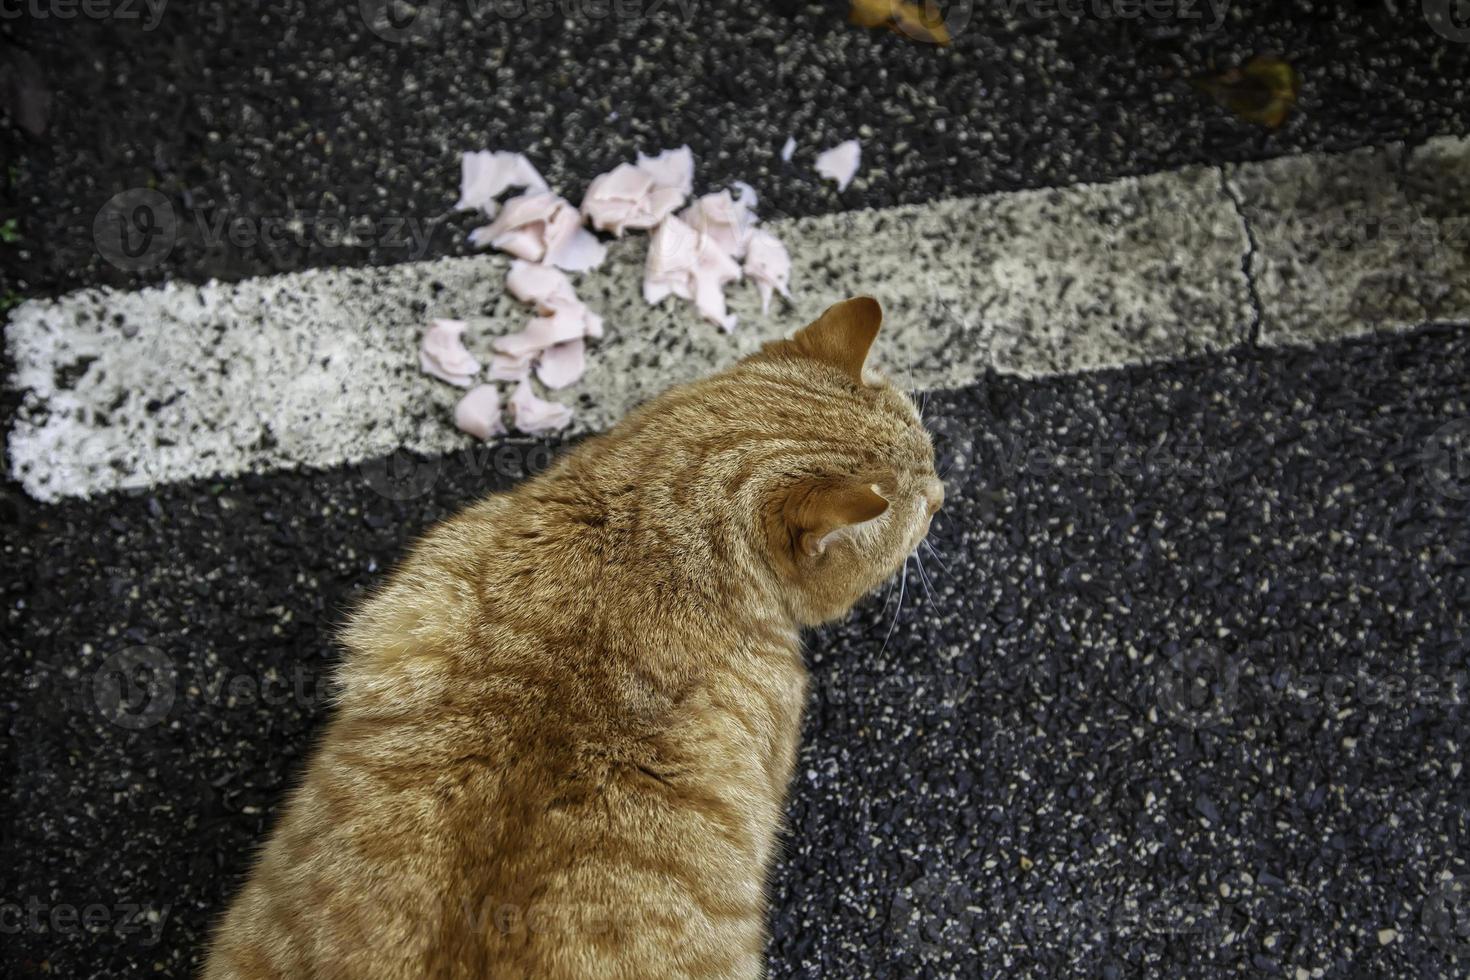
(568, 720)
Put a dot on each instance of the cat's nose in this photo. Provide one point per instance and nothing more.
(934, 496)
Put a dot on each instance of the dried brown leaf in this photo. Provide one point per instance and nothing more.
(922, 21)
(1263, 92)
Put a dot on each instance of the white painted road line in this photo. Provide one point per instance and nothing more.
(1377, 241)
(319, 368)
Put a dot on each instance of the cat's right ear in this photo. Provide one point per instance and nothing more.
(809, 517)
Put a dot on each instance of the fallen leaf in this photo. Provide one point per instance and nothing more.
(1263, 92)
(922, 21)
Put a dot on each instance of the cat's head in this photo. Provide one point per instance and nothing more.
(845, 468)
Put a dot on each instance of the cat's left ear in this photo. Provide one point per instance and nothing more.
(842, 335)
(813, 514)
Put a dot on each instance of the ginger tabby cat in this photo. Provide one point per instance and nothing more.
(568, 720)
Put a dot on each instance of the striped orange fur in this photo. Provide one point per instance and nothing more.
(568, 720)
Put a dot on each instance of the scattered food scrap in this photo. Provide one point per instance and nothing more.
(484, 176)
(1263, 92)
(478, 412)
(922, 21)
(629, 197)
(640, 195)
(542, 332)
(544, 287)
(689, 264)
(443, 355)
(840, 163)
(768, 265)
(692, 255)
(556, 333)
(671, 168)
(510, 367)
(788, 149)
(562, 364)
(543, 227)
(536, 415)
(551, 293)
(554, 341)
(727, 221)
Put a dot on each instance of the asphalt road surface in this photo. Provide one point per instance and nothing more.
(1183, 691)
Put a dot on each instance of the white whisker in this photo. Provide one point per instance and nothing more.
(903, 581)
(935, 552)
(887, 594)
(924, 577)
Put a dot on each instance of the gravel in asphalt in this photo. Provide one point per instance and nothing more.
(269, 110)
(1190, 704)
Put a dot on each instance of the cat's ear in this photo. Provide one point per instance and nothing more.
(811, 515)
(842, 335)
